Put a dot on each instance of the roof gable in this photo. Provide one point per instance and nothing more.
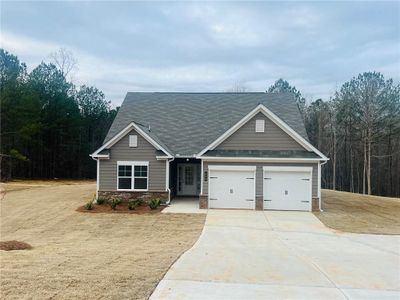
(246, 138)
(186, 123)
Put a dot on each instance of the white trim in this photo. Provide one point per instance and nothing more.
(97, 179)
(261, 159)
(319, 184)
(162, 157)
(167, 175)
(231, 168)
(133, 164)
(201, 177)
(274, 118)
(286, 169)
(125, 131)
(100, 156)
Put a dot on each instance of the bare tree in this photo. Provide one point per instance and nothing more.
(238, 87)
(65, 60)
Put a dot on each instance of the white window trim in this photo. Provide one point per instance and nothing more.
(260, 126)
(133, 164)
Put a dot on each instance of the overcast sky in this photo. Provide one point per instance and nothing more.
(162, 46)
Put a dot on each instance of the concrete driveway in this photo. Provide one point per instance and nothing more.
(282, 255)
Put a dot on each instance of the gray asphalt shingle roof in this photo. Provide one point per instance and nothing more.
(186, 123)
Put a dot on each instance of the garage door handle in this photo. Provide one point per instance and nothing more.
(267, 200)
(267, 178)
(213, 177)
(306, 179)
(305, 201)
(249, 199)
(213, 199)
(250, 178)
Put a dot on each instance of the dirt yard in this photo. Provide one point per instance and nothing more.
(85, 256)
(360, 213)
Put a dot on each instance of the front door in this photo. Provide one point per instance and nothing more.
(188, 179)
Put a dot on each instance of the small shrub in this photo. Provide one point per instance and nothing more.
(154, 203)
(139, 202)
(89, 205)
(101, 201)
(132, 204)
(115, 202)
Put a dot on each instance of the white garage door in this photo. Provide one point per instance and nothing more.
(232, 187)
(288, 188)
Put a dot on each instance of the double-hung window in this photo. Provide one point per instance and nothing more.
(133, 175)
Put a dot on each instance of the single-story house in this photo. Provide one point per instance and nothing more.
(230, 150)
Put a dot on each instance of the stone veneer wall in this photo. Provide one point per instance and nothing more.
(315, 204)
(203, 201)
(125, 196)
(259, 203)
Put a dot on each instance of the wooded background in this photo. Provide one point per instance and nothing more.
(49, 126)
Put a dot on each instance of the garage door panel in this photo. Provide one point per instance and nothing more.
(232, 189)
(287, 190)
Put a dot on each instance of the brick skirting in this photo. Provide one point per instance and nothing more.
(125, 196)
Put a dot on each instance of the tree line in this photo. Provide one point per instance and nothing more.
(359, 130)
(49, 126)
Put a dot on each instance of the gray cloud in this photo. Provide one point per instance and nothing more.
(131, 46)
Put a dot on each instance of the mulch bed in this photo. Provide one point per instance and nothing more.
(14, 245)
(121, 208)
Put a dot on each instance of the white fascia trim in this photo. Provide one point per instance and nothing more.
(162, 157)
(232, 168)
(262, 159)
(125, 131)
(287, 169)
(274, 118)
(107, 156)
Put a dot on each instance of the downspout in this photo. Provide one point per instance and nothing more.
(320, 180)
(168, 189)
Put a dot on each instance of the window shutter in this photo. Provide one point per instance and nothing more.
(260, 125)
(133, 141)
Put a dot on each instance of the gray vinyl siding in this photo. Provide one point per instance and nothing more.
(122, 152)
(246, 137)
(259, 173)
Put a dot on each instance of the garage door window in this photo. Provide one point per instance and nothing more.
(132, 176)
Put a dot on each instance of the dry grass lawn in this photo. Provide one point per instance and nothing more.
(86, 256)
(360, 213)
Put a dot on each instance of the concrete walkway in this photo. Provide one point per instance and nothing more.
(282, 255)
(184, 205)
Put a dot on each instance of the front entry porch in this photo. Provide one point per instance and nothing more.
(185, 177)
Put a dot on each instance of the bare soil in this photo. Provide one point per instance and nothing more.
(14, 245)
(78, 255)
(358, 213)
(17, 185)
